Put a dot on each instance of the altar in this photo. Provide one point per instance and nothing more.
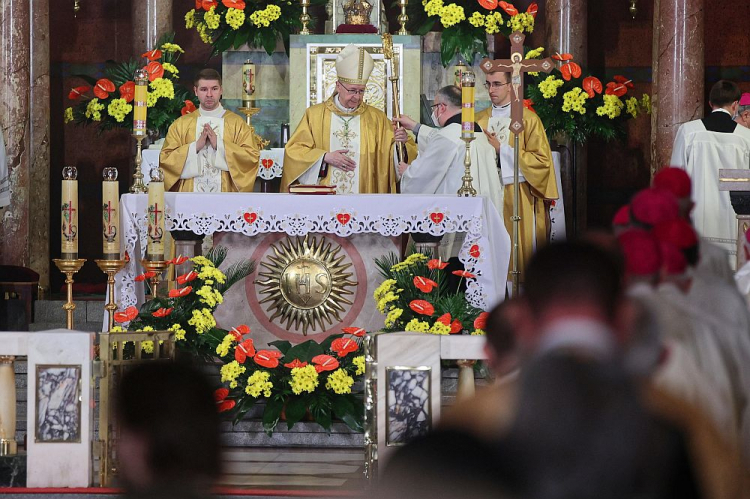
(346, 232)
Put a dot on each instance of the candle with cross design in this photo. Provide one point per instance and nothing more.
(468, 81)
(69, 214)
(110, 214)
(155, 248)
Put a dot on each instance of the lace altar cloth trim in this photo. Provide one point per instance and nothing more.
(485, 251)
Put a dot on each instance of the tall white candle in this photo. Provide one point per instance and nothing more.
(110, 215)
(156, 205)
(69, 214)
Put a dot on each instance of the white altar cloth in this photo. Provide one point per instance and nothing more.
(485, 252)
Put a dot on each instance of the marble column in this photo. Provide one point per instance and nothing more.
(566, 32)
(678, 73)
(39, 187)
(151, 19)
(14, 122)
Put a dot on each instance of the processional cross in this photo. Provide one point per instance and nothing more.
(516, 66)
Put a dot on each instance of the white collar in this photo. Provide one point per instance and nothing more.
(216, 113)
(580, 334)
(504, 106)
(721, 109)
(341, 106)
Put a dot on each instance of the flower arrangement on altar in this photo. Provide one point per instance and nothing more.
(291, 380)
(571, 102)
(466, 24)
(107, 102)
(415, 296)
(233, 23)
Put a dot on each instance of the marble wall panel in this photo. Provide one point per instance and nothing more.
(151, 19)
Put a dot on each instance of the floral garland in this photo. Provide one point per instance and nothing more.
(233, 23)
(466, 24)
(415, 297)
(578, 105)
(114, 93)
(291, 380)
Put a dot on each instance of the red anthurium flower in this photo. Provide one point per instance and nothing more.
(344, 346)
(422, 307)
(127, 91)
(144, 276)
(533, 9)
(198, 4)
(126, 315)
(103, 87)
(220, 396)
(617, 89)
(178, 260)
(267, 358)
(189, 108)
(488, 4)
(355, 331)
(436, 263)
(569, 70)
(529, 104)
(180, 292)
(77, 92)
(295, 363)
(162, 312)
(154, 69)
(456, 326)
(207, 4)
(239, 331)
(244, 350)
(508, 8)
(445, 319)
(190, 276)
(234, 4)
(481, 321)
(152, 55)
(624, 81)
(325, 363)
(592, 85)
(423, 284)
(463, 273)
(563, 57)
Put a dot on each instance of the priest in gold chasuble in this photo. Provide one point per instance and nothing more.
(343, 141)
(537, 174)
(210, 149)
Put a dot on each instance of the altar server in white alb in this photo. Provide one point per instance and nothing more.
(344, 141)
(702, 147)
(210, 149)
(439, 166)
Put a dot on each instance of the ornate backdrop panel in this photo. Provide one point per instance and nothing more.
(359, 228)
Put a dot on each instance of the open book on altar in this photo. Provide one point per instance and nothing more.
(312, 189)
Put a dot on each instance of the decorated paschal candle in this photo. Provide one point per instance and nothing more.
(155, 248)
(110, 214)
(139, 102)
(467, 104)
(69, 214)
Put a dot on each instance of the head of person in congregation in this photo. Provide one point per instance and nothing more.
(168, 443)
(743, 111)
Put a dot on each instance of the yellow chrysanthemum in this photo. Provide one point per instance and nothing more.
(612, 107)
(171, 68)
(476, 20)
(162, 87)
(235, 18)
(417, 326)
(359, 362)
(93, 109)
(535, 53)
(478, 332)
(259, 383)
(118, 329)
(119, 109)
(151, 99)
(393, 316)
(229, 373)
(433, 7)
(173, 47)
(222, 350)
(646, 103)
(179, 333)
(211, 18)
(381, 290)
(521, 22)
(203, 320)
(389, 297)
(340, 382)
(575, 100)
(440, 328)
(68, 115)
(549, 86)
(190, 19)
(202, 30)
(632, 106)
(304, 379)
(451, 14)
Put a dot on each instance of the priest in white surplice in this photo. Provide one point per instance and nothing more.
(439, 165)
(344, 141)
(702, 147)
(210, 149)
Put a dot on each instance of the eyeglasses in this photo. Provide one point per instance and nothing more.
(353, 92)
(495, 84)
(437, 104)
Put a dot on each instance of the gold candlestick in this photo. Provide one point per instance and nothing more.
(249, 112)
(157, 267)
(69, 267)
(138, 186)
(467, 189)
(110, 267)
(305, 17)
(403, 18)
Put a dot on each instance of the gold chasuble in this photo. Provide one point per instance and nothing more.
(312, 139)
(535, 166)
(239, 148)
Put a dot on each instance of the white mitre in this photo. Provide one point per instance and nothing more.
(354, 65)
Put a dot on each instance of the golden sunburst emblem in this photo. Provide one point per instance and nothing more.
(305, 281)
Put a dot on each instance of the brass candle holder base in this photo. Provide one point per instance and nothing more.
(249, 112)
(138, 186)
(69, 267)
(157, 267)
(110, 267)
(8, 447)
(467, 189)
